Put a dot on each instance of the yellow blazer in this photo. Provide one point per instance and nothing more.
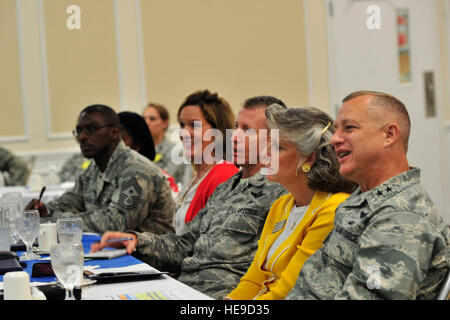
(287, 261)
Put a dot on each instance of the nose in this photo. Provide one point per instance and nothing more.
(83, 135)
(265, 154)
(185, 133)
(237, 135)
(336, 138)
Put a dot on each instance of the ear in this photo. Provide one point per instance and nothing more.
(391, 134)
(137, 147)
(166, 125)
(311, 159)
(116, 133)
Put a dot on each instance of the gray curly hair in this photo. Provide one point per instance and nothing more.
(310, 130)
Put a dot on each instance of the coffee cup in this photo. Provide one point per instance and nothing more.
(47, 236)
(16, 286)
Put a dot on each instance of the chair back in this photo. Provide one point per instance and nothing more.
(444, 293)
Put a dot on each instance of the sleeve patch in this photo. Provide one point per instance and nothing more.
(130, 195)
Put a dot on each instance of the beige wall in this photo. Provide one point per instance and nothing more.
(129, 52)
(81, 64)
(236, 48)
(12, 122)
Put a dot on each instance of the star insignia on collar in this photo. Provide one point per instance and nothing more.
(388, 189)
(379, 193)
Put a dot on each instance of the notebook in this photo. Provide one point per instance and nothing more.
(106, 254)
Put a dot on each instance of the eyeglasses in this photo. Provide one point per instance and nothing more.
(89, 129)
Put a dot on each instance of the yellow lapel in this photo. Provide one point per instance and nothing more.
(317, 201)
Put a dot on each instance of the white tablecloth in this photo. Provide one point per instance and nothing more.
(163, 288)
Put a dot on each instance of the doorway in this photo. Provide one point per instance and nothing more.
(393, 46)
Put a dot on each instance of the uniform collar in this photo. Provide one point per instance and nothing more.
(378, 195)
(110, 168)
(256, 180)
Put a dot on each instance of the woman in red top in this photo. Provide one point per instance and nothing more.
(203, 118)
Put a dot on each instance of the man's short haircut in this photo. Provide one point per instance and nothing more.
(262, 102)
(107, 113)
(390, 104)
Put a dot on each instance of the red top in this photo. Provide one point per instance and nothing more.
(219, 173)
(172, 184)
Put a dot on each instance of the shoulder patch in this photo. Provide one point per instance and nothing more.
(130, 194)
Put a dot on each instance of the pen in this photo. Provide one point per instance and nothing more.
(41, 194)
(119, 239)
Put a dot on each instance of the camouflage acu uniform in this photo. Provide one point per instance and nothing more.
(132, 193)
(388, 243)
(14, 166)
(72, 168)
(182, 173)
(216, 248)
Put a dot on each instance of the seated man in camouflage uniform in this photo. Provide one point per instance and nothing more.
(14, 168)
(120, 190)
(217, 246)
(389, 241)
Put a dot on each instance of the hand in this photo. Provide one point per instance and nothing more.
(130, 245)
(37, 205)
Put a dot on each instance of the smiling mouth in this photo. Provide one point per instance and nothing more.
(343, 154)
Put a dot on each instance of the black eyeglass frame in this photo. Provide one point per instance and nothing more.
(89, 129)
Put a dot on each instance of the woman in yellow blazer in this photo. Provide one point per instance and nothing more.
(300, 221)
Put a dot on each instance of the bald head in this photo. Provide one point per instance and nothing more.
(383, 109)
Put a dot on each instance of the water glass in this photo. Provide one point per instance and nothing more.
(27, 226)
(12, 202)
(67, 263)
(69, 230)
(5, 239)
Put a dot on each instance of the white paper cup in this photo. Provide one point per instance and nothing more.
(16, 286)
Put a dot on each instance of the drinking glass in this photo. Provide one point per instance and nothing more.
(67, 263)
(12, 202)
(69, 230)
(5, 238)
(27, 225)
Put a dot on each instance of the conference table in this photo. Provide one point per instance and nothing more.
(51, 193)
(162, 287)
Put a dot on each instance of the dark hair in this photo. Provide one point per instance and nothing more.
(262, 101)
(108, 113)
(215, 109)
(135, 125)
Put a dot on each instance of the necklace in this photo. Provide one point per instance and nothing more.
(194, 181)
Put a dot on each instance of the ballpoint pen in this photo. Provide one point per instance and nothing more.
(42, 193)
(119, 239)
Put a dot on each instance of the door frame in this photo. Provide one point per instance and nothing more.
(444, 141)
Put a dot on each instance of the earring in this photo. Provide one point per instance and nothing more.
(306, 167)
